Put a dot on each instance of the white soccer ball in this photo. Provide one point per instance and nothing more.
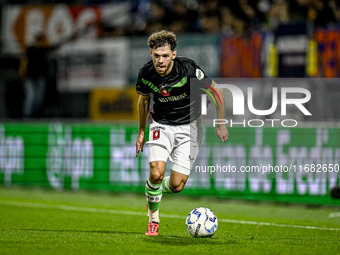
(201, 222)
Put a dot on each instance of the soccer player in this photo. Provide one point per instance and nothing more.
(175, 132)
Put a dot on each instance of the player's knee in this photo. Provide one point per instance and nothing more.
(156, 178)
(177, 188)
(156, 173)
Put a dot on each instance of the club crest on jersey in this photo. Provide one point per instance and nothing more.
(165, 92)
(199, 74)
(156, 134)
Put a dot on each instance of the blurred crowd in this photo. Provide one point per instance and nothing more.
(230, 17)
(226, 17)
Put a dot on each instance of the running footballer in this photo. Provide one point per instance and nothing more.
(175, 132)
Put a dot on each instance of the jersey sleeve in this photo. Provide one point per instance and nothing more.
(141, 87)
(201, 76)
(197, 75)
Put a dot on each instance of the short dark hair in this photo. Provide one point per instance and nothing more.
(162, 38)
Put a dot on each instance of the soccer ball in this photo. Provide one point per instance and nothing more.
(201, 222)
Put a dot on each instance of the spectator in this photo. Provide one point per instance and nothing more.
(227, 21)
(34, 71)
(278, 13)
(334, 5)
(324, 13)
(156, 18)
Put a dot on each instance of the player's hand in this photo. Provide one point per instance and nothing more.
(140, 144)
(222, 133)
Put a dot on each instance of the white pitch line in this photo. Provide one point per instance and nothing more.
(276, 224)
(132, 213)
(334, 215)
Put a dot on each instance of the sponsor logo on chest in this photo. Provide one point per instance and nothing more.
(165, 92)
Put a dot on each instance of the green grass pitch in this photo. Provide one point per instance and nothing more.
(34, 221)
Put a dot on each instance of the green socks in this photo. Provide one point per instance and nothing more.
(165, 185)
(153, 194)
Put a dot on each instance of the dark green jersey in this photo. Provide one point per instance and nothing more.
(176, 96)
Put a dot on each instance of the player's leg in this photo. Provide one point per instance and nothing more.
(174, 183)
(188, 140)
(158, 156)
(153, 189)
(160, 144)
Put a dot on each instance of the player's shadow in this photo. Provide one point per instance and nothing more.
(170, 240)
(85, 231)
(183, 241)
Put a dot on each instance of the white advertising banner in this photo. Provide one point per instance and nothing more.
(90, 63)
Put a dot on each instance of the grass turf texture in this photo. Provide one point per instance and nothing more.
(48, 222)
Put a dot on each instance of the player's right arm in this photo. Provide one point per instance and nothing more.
(143, 113)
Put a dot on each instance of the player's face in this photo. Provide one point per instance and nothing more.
(162, 58)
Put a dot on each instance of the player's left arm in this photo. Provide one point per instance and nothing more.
(221, 130)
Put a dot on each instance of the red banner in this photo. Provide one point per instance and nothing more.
(57, 22)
